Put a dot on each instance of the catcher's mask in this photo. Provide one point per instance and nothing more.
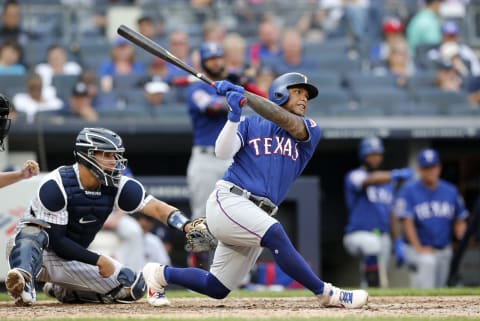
(5, 108)
(93, 144)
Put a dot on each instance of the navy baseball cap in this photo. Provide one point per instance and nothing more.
(450, 28)
(428, 157)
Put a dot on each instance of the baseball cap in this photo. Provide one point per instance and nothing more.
(450, 28)
(120, 41)
(80, 89)
(428, 157)
(156, 87)
(392, 25)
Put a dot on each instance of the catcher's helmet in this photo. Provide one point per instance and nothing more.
(5, 108)
(369, 145)
(91, 140)
(278, 92)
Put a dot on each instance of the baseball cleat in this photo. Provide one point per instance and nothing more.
(153, 274)
(157, 299)
(336, 297)
(20, 288)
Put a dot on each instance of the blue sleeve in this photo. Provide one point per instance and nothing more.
(403, 207)
(131, 196)
(51, 196)
(314, 134)
(460, 211)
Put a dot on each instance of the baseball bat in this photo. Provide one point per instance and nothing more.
(157, 50)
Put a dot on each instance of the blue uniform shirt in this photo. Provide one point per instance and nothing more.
(368, 207)
(270, 159)
(433, 211)
(206, 127)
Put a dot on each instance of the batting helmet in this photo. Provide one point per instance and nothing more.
(210, 50)
(369, 145)
(5, 108)
(278, 92)
(91, 140)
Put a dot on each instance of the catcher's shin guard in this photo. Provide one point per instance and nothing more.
(133, 285)
(27, 250)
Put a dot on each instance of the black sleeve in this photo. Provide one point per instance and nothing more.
(68, 249)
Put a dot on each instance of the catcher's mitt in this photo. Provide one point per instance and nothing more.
(199, 238)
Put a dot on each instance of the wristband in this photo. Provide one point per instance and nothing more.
(177, 220)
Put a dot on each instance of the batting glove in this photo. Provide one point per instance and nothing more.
(234, 100)
(398, 252)
(401, 174)
(224, 85)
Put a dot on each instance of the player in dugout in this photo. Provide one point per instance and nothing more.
(30, 167)
(269, 150)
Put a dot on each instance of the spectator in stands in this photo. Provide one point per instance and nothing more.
(268, 44)
(213, 31)
(392, 30)
(10, 29)
(474, 91)
(10, 53)
(158, 69)
(237, 70)
(447, 78)
(122, 62)
(37, 98)
(357, 18)
(56, 64)
(398, 63)
(179, 46)
(81, 103)
(99, 99)
(154, 94)
(424, 27)
(452, 50)
(150, 27)
(433, 214)
(311, 25)
(265, 75)
(154, 249)
(292, 58)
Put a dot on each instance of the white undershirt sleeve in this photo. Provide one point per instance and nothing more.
(228, 143)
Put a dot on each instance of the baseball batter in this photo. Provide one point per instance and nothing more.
(369, 198)
(269, 152)
(432, 213)
(30, 168)
(71, 204)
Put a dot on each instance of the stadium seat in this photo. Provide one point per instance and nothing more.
(381, 96)
(123, 83)
(328, 97)
(64, 85)
(361, 81)
(436, 96)
(12, 84)
(338, 63)
(463, 110)
(323, 79)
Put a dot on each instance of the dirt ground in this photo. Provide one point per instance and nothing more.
(254, 308)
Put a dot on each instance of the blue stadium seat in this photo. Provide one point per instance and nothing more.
(323, 79)
(123, 83)
(12, 84)
(463, 110)
(386, 97)
(328, 97)
(355, 111)
(361, 81)
(338, 63)
(436, 96)
(64, 85)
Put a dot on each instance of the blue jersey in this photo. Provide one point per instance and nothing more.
(433, 211)
(369, 207)
(206, 126)
(270, 159)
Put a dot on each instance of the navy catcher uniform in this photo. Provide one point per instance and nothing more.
(432, 212)
(369, 198)
(269, 154)
(72, 203)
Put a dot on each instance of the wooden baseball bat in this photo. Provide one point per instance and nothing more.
(157, 50)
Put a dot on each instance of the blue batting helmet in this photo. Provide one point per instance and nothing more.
(369, 145)
(278, 92)
(210, 50)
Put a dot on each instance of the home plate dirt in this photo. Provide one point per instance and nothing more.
(254, 308)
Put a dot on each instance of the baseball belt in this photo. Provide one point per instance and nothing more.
(262, 202)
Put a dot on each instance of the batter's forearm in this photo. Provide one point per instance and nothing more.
(290, 122)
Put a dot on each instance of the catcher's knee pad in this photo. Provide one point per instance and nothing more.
(133, 283)
(27, 251)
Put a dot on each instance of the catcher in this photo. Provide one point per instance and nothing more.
(50, 243)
